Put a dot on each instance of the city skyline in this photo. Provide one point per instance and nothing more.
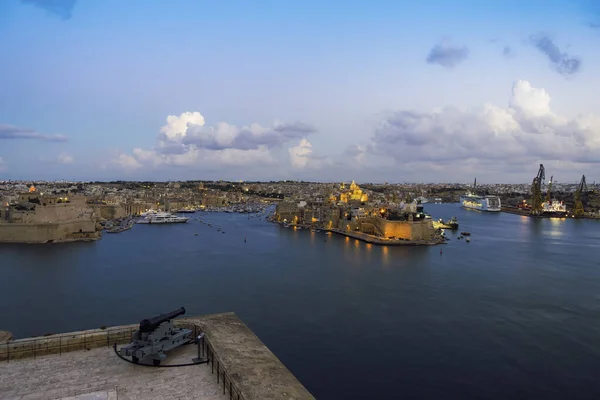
(386, 91)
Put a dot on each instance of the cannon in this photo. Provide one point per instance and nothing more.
(156, 336)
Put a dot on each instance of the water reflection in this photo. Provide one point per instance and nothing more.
(556, 227)
(385, 255)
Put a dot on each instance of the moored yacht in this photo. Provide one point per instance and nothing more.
(162, 218)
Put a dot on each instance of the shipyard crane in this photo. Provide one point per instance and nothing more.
(579, 211)
(549, 192)
(536, 191)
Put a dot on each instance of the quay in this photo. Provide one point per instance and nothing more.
(377, 240)
(386, 242)
(82, 365)
(526, 213)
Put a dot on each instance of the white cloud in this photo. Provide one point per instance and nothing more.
(186, 141)
(2, 165)
(492, 138)
(64, 158)
(127, 162)
(299, 155)
(177, 125)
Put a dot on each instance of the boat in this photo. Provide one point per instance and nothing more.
(452, 224)
(466, 233)
(185, 211)
(473, 201)
(554, 208)
(437, 200)
(162, 218)
(150, 212)
(422, 199)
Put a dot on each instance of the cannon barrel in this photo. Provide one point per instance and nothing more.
(150, 324)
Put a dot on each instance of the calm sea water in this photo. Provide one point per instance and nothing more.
(513, 314)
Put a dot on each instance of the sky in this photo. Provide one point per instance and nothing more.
(397, 91)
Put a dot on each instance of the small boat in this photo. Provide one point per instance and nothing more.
(196, 234)
(468, 240)
(466, 233)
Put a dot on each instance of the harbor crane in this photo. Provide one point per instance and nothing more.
(549, 192)
(536, 191)
(579, 211)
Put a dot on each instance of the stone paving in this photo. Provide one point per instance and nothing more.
(98, 374)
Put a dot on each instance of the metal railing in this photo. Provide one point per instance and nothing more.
(216, 366)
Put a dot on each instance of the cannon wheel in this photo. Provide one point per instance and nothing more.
(156, 363)
(135, 359)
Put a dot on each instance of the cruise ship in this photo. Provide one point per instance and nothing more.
(473, 201)
(162, 218)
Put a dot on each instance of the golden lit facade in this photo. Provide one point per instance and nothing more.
(354, 193)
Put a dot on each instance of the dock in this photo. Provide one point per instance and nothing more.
(82, 365)
(385, 242)
(527, 213)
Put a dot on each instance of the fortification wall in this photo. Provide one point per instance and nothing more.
(409, 230)
(109, 211)
(48, 232)
(52, 213)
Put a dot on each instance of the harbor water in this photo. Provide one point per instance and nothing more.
(514, 313)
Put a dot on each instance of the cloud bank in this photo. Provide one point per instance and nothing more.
(9, 132)
(444, 144)
(186, 141)
(562, 62)
(446, 55)
(61, 8)
(501, 139)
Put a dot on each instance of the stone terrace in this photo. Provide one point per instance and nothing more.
(82, 366)
(100, 375)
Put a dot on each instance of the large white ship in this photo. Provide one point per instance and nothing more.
(162, 218)
(554, 208)
(473, 201)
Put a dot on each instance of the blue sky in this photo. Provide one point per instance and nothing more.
(372, 91)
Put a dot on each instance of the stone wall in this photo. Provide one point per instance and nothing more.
(51, 213)
(408, 230)
(58, 344)
(48, 232)
(109, 211)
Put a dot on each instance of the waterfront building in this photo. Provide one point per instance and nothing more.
(287, 211)
(39, 218)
